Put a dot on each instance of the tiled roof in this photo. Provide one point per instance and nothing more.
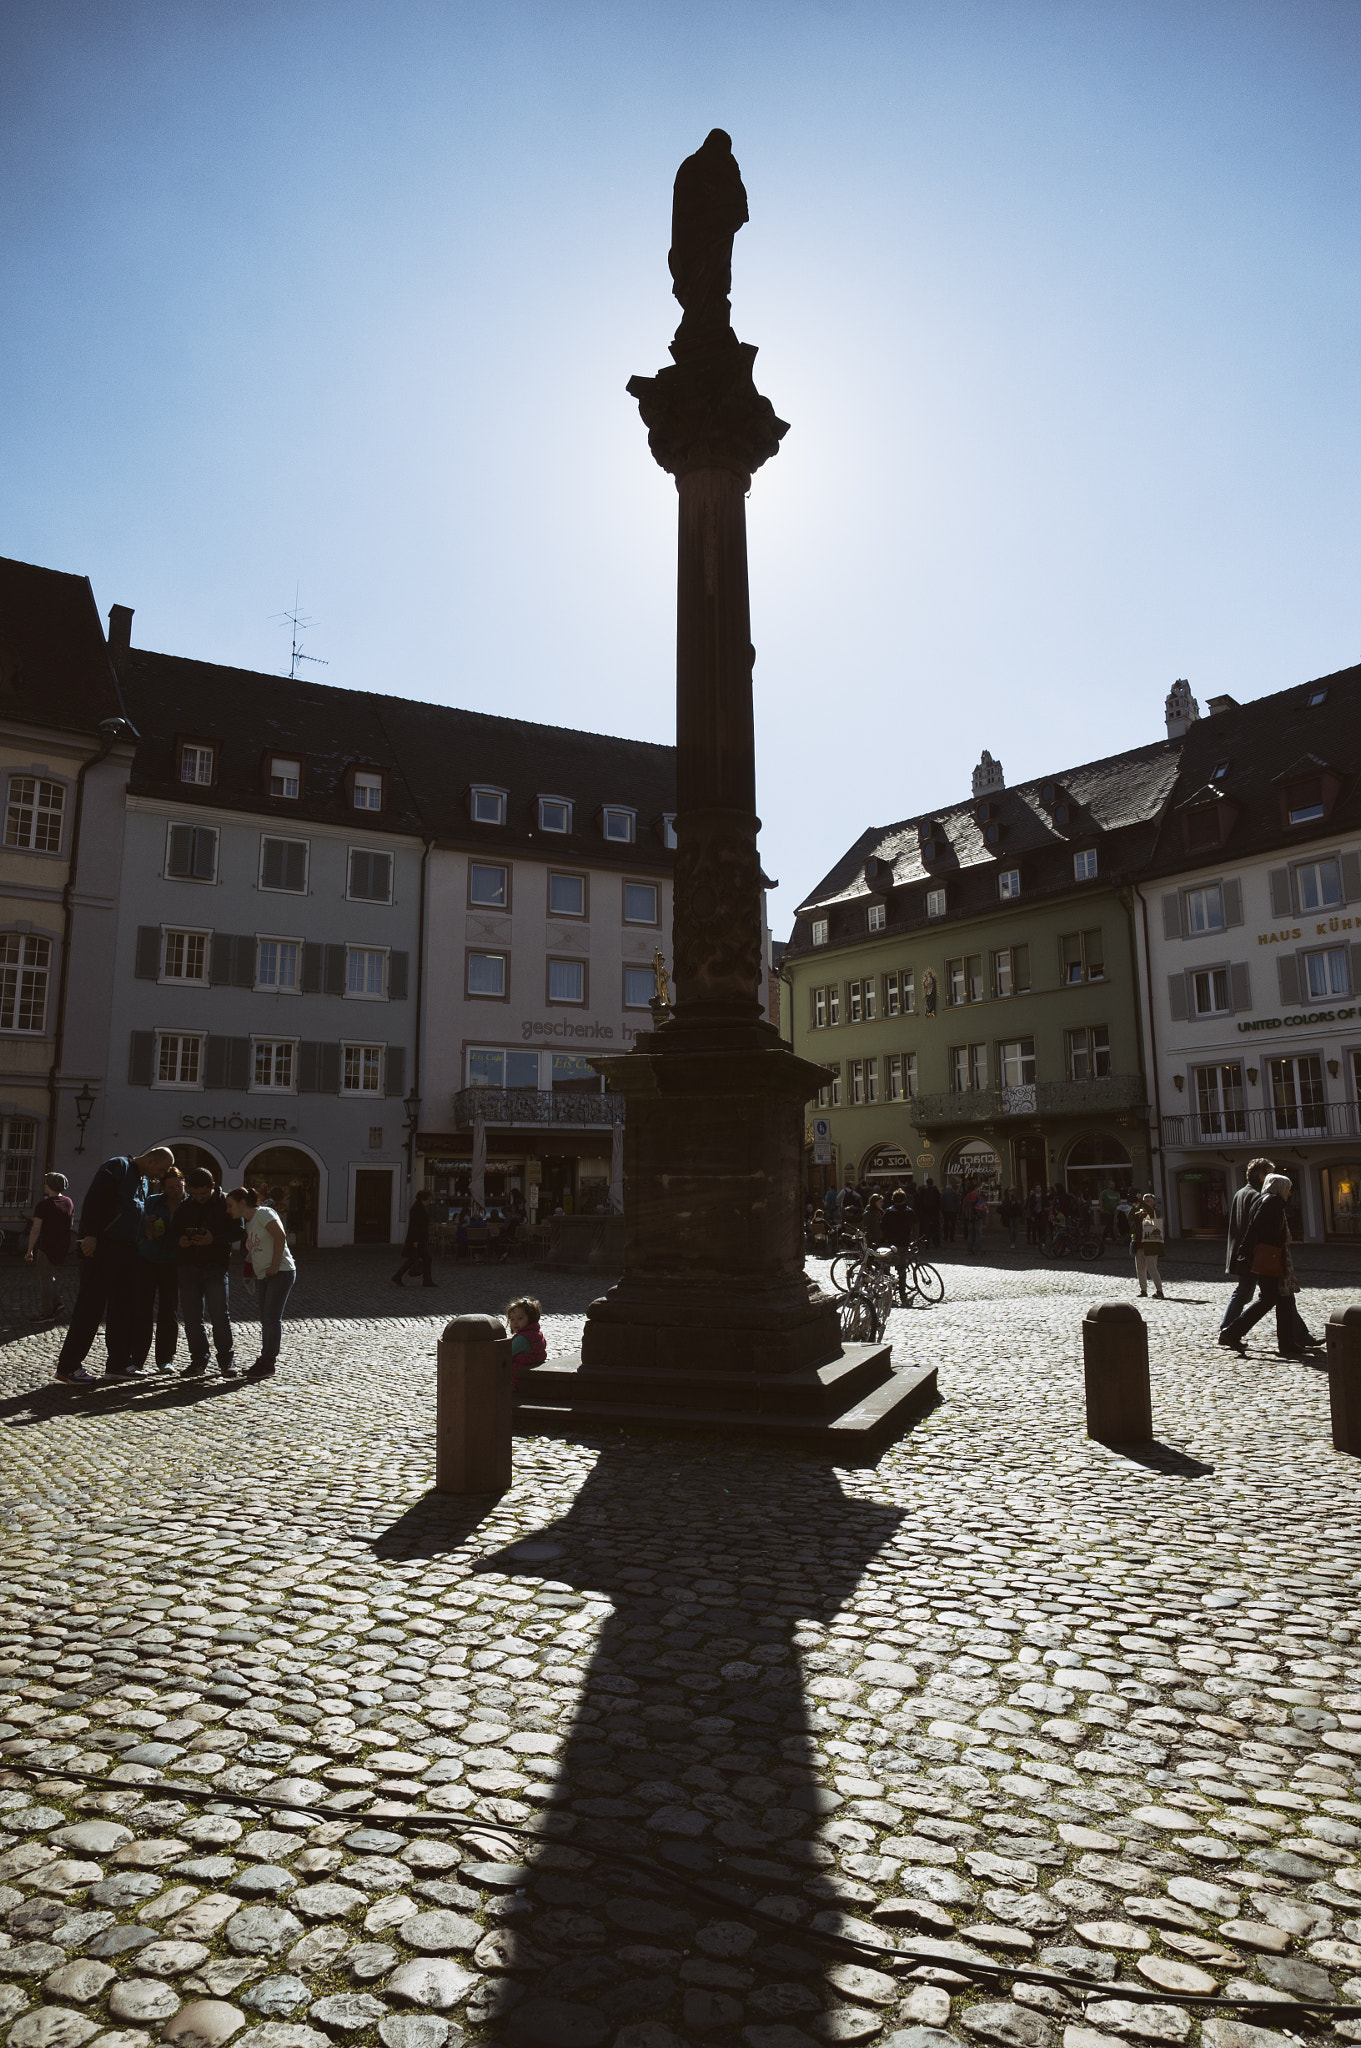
(54, 666)
(434, 754)
(1244, 753)
(1121, 795)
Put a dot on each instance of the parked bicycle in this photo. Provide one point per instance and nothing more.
(859, 1271)
(1066, 1241)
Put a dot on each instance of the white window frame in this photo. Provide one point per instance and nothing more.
(611, 814)
(820, 929)
(909, 1076)
(285, 839)
(1010, 1051)
(1009, 884)
(497, 798)
(293, 761)
(289, 1087)
(1084, 865)
(38, 811)
(819, 1009)
(935, 903)
(355, 995)
(669, 829)
(564, 803)
(391, 859)
(876, 917)
(362, 1047)
(36, 971)
(275, 988)
(1214, 1008)
(1325, 953)
(200, 749)
(182, 1038)
(893, 1079)
(370, 781)
(191, 825)
(1316, 867)
(1201, 896)
(181, 931)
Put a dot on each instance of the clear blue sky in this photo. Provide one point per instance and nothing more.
(1061, 300)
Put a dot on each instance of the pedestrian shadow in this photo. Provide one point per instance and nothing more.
(693, 1749)
(51, 1399)
(1161, 1457)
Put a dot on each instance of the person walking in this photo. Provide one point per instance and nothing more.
(928, 1212)
(110, 1232)
(1293, 1336)
(1034, 1215)
(949, 1210)
(1009, 1209)
(273, 1269)
(49, 1239)
(205, 1230)
(416, 1246)
(1241, 1210)
(160, 1275)
(1262, 1254)
(973, 1211)
(1146, 1229)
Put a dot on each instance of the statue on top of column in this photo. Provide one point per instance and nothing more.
(709, 205)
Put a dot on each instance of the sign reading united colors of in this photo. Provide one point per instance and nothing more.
(1302, 1017)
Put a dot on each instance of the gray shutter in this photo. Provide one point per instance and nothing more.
(238, 1062)
(205, 852)
(395, 1078)
(220, 959)
(1176, 997)
(1356, 968)
(243, 961)
(309, 1063)
(359, 873)
(1240, 986)
(148, 966)
(1233, 902)
(272, 864)
(180, 859)
(311, 968)
(215, 1062)
(1288, 968)
(397, 977)
(140, 1055)
(1020, 968)
(1172, 914)
(1351, 877)
(1279, 879)
(380, 877)
(328, 1069)
(295, 865)
(333, 978)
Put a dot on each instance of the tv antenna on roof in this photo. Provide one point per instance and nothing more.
(299, 622)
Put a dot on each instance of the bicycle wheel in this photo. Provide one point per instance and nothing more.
(1091, 1248)
(859, 1319)
(844, 1272)
(927, 1282)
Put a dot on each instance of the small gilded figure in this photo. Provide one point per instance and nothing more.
(662, 996)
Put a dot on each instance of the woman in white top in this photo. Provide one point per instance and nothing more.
(272, 1264)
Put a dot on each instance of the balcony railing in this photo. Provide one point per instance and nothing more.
(530, 1107)
(1297, 1126)
(1033, 1099)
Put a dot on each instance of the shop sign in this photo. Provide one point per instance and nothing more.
(1303, 1017)
(236, 1123)
(976, 1160)
(888, 1159)
(534, 1171)
(562, 1027)
(1322, 927)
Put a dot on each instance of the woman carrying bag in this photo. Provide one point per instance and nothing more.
(1146, 1232)
(1263, 1254)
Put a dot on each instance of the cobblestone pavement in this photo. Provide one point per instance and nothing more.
(1008, 1695)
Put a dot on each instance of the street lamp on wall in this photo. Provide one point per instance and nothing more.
(84, 1108)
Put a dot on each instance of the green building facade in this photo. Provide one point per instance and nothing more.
(969, 977)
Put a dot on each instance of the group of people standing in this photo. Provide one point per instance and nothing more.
(154, 1245)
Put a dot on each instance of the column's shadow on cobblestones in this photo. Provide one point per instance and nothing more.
(1160, 1457)
(693, 1743)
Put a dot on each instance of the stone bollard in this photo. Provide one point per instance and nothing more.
(1115, 1367)
(472, 1407)
(1344, 1378)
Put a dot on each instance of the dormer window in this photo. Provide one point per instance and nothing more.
(285, 775)
(488, 805)
(1084, 866)
(618, 824)
(555, 814)
(819, 931)
(367, 790)
(1061, 813)
(669, 829)
(1201, 827)
(1304, 800)
(198, 761)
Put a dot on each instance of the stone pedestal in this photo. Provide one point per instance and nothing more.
(1344, 1378)
(472, 1407)
(1115, 1368)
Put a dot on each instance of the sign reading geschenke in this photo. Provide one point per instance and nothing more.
(236, 1123)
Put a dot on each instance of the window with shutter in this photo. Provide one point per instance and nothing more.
(1241, 986)
(243, 962)
(1172, 915)
(271, 863)
(215, 1062)
(1176, 997)
(370, 876)
(397, 977)
(1288, 969)
(1351, 876)
(238, 1063)
(283, 865)
(1281, 905)
(1232, 892)
(1356, 968)
(204, 865)
(220, 959)
(148, 967)
(312, 959)
(179, 856)
(333, 976)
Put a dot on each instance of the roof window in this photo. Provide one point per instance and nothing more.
(1317, 697)
(198, 761)
(487, 805)
(618, 824)
(555, 814)
(668, 828)
(285, 775)
(367, 790)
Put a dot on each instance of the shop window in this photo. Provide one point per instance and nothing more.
(640, 903)
(1009, 884)
(34, 814)
(1295, 1085)
(185, 956)
(1342, 1198)
(968, 1067)
(493, 1067)
(877, 917)
(272, 1066)
(179, 1059)
(555, 814)
(191, 853)
(819, 931)
(365, 971)
(1218, 1095)
(197, 761)
(1096, 1163)
(1016, 1062)
(488, 886)
(1325, 973)
(566, 895)
(370, 876)
(361, 1070)
(18, 1162)
(25, 965)
(283, 865)
(487, 974)
(1088, 1052)
(567, 981)
(285, 776)
(640, 985)
(278, 965)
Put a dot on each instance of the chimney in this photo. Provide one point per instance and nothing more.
(1181, 709)
(1224, 703)
(988, 779)
(120, 636)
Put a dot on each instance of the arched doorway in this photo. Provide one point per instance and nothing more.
(1096, 1163)
(977, 1161)
(187, 1156)
(290, 1182)
(888, 1165)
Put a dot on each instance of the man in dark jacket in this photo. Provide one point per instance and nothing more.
(1240, 1215)
(416, 1247)
(898, 1228)
(205, 1231)
(928, 1211)
(1267, 1228)
(111, 1225)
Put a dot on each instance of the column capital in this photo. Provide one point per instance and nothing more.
(704, 412)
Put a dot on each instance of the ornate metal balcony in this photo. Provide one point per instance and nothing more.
(1300, 1125)
(533, 1108)
(961, 1106)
